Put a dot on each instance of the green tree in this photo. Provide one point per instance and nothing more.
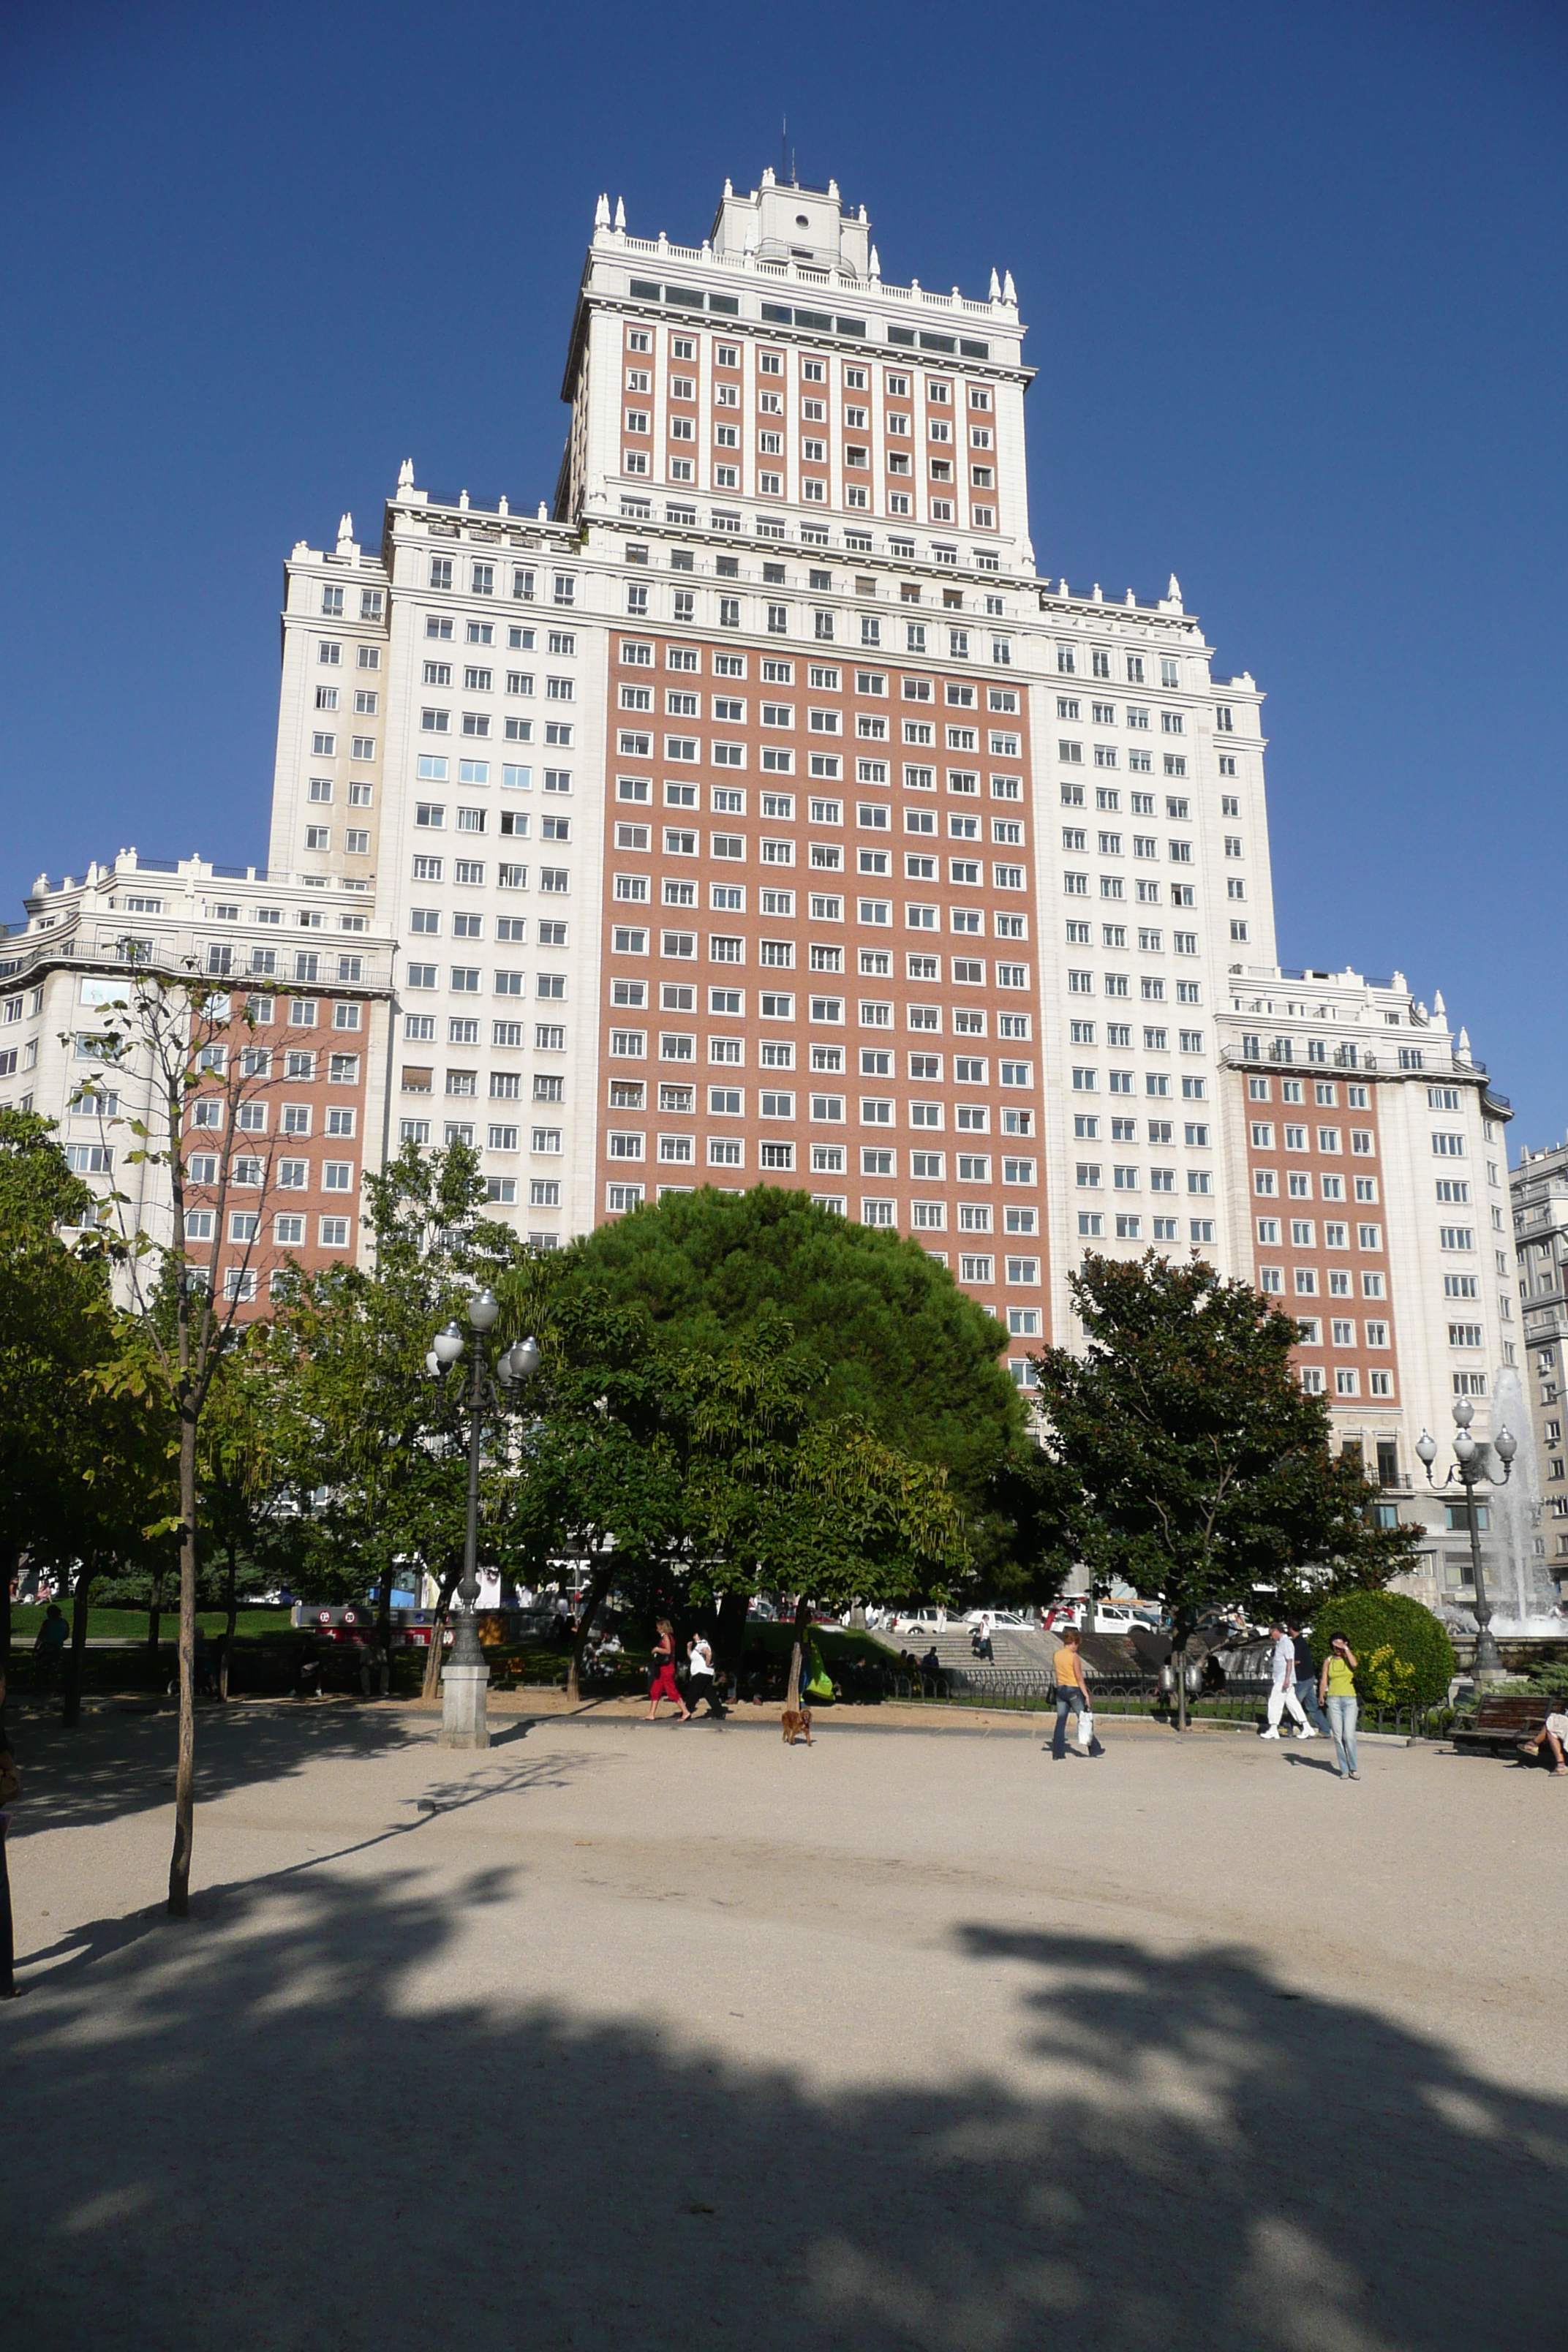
(681, 1470)
(777, 1498)
(598, 1472)
(901, 1349)
(173, 1038)
(77, 1467)
(362, 1426)
(1181, 1454)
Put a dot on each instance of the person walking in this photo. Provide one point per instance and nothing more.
(1072, 1695)
(699, 1678)
(1307, 1685)
(49, 1647)
(1283, 1693)
(664, 1684)
(1336, 1688)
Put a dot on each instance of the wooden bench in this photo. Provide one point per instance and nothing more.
(1502, 1723)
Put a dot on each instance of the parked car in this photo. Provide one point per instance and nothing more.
(1121, 1616)
(924, 1620)
(1000, 1617)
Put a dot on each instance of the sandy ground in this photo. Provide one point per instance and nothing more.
(631, 2036)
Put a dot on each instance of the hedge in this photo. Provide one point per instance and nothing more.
(1404, 1654)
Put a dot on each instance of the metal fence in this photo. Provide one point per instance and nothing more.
(1027, 1691)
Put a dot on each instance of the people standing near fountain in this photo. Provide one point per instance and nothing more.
(1283, 1693)
(1336, 1688)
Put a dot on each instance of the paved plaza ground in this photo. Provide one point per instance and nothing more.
(916, 2042)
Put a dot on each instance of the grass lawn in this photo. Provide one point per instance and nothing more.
(131, 1624)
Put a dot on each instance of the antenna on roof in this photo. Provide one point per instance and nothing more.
(784, 146)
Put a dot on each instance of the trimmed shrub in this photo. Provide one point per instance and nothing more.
(1405, 1655)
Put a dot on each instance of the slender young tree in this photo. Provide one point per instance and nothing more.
(184, 1045)
(1181, 1453)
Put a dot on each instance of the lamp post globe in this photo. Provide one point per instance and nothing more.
(484, 1309)
(1505, 1445)
(525, 1359)
(1426, 1448)
(1464, 1412)
(447, 1344)
(433, 1362)
(1465, 1450)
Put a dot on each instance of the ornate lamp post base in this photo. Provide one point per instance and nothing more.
(463, 1723)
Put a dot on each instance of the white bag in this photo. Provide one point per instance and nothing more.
(1085, 1728)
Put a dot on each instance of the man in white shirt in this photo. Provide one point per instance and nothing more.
(1283, 1693)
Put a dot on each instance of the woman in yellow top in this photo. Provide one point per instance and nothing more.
(1072, 1695)
(1336, 1688)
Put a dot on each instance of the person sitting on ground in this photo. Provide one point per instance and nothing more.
(931, 1663)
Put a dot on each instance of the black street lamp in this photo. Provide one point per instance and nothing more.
(467, 1676)
(1471, 1459)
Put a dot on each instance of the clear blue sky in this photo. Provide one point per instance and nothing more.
(1295, 277)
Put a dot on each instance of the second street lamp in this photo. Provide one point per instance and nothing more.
(467, 1676)
(1471, 1460)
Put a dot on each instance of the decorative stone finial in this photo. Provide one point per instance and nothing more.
(501, 506)
(996, 288)
(406, 475)
(346, 534)
(544, 511)
(601, 212)
(1009, 292)
(462, 502)
(620, 213)
(876, 265)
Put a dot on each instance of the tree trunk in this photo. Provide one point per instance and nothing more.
(730, 1634)
(185, 1761)
(383, 1629)
(71, 1707)
(432, 1685)
(154, 1613)
(229, 1624)
(1179, 1633)
(798, 1670)
(597, 1584)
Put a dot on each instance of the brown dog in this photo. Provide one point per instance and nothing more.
(796, 1722)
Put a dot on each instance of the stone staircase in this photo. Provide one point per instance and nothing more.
(1020, 1663)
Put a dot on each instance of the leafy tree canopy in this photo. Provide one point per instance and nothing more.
(1183, 1453)
(899, 1347)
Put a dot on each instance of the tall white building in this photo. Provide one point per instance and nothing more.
(759, 813)
(301, 984)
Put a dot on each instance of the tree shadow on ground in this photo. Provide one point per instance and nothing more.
(260, 2129)
(112, 1765)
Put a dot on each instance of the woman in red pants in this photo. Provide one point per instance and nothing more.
(664, 1684)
